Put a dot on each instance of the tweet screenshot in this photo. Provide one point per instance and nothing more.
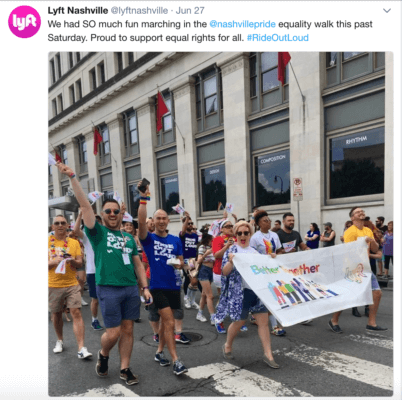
(219, 202)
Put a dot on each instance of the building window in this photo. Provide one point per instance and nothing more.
(130, 58)
(50, 176)
(167, 134)
(265, 88)
(272, 178)
(71, 59)
(101, 73)
(92, 79)
(107, 186)
(78, 55)
(169, 193)
(213, 187)
(78, 89)
(83, 154)
(60, 102)
(345, 66)
(72, 94)
(209, 103)
(104, 145)
(58, 63)
(64, 154)
(357, 164)
(118, 62)
(53, 70)
(133, 176)
(130, 133)
(54, 107)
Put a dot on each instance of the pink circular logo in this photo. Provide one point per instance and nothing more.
(24, 22)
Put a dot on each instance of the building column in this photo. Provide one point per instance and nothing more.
(236, 106)
(389, 138)
(147, 140)
(93, 164)
(56, 178)
(116, 135)
(184, 100)
(307, 141)
(73, 155)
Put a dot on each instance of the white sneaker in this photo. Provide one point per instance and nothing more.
(59, 347)
(187, 304)
(84, 353)
(195, 306)
(83, 302)
(213, 319)
(200, 317)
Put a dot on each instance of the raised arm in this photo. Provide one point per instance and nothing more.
(77, 230)
(87, 211)
(185, 223)
(142, 217)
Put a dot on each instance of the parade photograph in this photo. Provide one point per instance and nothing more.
(220, 224)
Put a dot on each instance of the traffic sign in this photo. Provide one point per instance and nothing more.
(297, 189)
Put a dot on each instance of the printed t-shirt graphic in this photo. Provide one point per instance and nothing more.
(265, 243)
(109, 248)
(67, 279)
(159, 250)
(289, 240)
(189, 243)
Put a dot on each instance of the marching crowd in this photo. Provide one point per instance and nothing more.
(126, 263)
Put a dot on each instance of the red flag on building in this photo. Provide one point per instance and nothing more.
(283, 60)
(57, 157)
(161, 110)
(97, 139)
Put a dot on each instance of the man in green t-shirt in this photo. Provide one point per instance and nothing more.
(117, 265)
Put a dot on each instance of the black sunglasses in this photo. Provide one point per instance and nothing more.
(109, 211)
(190, 223)
(57, 223)
(243, 233)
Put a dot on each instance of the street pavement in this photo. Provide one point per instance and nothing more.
(313, 361)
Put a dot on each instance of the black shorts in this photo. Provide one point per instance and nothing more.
(166, 298)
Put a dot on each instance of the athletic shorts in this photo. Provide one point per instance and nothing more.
(217, 280)
(205, 273)
(71, 294)
(118, 303)
(163, 298)
(250, 299)
(374, 283)
(92, 286)
(153, 314)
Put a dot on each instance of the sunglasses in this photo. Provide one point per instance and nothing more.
(109, 211)
(243, 233)
(62, 223)
(190, 223)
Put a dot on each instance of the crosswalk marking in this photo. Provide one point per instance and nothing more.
(233, 381)
(116, 390)
(381, 341)
(364, 371)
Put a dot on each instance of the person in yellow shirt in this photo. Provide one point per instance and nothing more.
(63, 284)
(358, 229)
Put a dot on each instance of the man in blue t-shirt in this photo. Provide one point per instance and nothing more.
(189, 241)
(162, 251)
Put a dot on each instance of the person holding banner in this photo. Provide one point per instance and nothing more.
(117, 265)
(357, 216)
(238, 299)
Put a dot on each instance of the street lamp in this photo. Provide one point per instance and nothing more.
(276, 181)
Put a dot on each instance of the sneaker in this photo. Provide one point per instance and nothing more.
(213, 319)
(182, 338)
(220, 328)
(253, 320)
(59, 347)
(375, 328)
(200, 317)
(101, 367)
(278, 331)
(335, 328)
(128, 376)
(195, 306)
(179, 368)
(83, 302)
(156, 337)
(187, 304)
(160, 358)
(96, 325)
(244, 328)
(84, 353)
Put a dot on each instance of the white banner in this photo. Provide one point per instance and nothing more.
(304, 285)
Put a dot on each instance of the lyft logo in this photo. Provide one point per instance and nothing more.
(24, 22)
